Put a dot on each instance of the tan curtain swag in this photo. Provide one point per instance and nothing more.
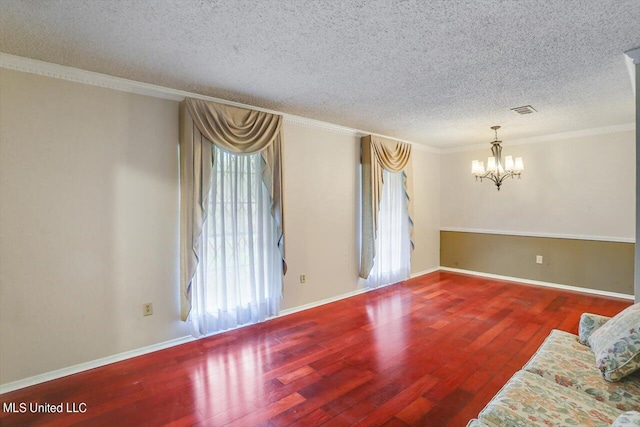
(235, 130)
(378, 154)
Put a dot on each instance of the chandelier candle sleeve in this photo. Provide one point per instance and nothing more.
(491, 164)
(497, 169)
(508, 163)
(519, 165)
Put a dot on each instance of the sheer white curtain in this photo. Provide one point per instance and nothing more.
(239, 276)
(392, 262)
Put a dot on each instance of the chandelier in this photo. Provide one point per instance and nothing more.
(497, 170)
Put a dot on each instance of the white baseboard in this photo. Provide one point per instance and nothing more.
(422, 273)
(59, 373)
(48, 376)
(314, 304)
(540, 283)
(342, 296)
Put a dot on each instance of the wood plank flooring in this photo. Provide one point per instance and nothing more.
(431, 351)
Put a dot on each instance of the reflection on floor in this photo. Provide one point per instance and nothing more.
(429, 351)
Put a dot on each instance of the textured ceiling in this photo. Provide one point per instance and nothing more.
(436, 72)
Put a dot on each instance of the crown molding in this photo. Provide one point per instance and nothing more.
(317, 124)
(311, 123)
(48, 69)
(551, 137)
(91, 78)
(634, 54)
(57, 71)
(632, 60)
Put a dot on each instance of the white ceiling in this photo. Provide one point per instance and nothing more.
(437, 72)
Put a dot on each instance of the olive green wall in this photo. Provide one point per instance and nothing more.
(606, 266)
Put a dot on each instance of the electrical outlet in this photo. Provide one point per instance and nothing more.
(538, 259)
(303, 278)
(147, 309)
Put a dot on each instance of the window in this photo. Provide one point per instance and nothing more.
(392, 261)
(239, 279)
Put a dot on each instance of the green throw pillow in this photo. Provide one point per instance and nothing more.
(616, 344)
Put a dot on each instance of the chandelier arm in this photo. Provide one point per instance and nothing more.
(505, 176)
(488, 175)
(498, 178)
(509, 175)
(495, 178)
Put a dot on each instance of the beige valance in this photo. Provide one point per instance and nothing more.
(377, 154)
(235, 130)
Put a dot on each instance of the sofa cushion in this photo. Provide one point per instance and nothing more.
(589, 323)
(562, 359)
(627, 419)
(616, 344)
(528, 399)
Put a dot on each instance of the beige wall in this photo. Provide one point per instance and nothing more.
(582, 186)
(321, 213)
(322, 192)
(606, 266)
(89, 216)
(89, 221)
(426, 207)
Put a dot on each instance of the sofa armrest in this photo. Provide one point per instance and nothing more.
(589, 323)
(627, 419)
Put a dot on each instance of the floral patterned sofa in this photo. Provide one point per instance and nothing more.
(588, 380)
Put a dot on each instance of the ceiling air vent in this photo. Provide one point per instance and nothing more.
(526, 109)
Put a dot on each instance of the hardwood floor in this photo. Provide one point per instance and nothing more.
(431, 351)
